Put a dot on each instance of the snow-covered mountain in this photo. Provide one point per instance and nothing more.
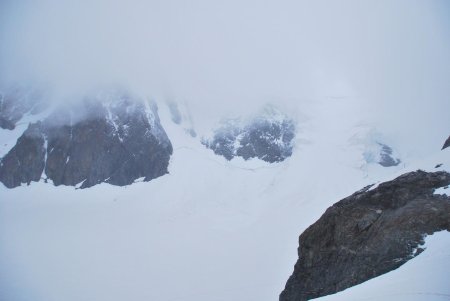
(111, 137)
(207, 227)
(18, 101)
(268, 136)
(224, 150)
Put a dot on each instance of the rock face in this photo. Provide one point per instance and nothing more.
(26, 160)
(386, 156)
(368, 234)
(117, 142)
(447, 143)
(16, 102)
(380, 153)
(268, 137)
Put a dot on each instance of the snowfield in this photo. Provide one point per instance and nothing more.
(210, 230)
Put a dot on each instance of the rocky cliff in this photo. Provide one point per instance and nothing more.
(114, 138)
(268, 137)
(367, 234)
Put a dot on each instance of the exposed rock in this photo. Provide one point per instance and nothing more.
(386, 156)
(116, 142)
(26, 160)
(368, 234)
(15, 102)
(446, 143)
(380, 153)
(268, 137)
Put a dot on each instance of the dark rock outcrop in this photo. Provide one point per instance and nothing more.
(268, 137)
(368, 234)
(386, 156)
(90, 143)
(26, 160)
(446, 143)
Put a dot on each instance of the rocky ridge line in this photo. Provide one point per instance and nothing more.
(367, 234)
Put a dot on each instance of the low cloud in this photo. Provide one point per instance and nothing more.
(393, 57)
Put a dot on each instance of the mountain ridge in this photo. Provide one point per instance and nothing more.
(371, 232)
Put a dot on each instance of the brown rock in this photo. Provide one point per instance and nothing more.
(368, 234)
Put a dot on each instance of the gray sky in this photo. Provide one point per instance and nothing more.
(392, 55)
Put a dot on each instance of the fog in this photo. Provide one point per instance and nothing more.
(211, 229)
(391, 57)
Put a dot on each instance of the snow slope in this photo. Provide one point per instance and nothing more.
(210, 230)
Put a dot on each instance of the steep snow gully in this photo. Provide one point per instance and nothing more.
(209, 228)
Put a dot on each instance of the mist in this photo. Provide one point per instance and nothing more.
(392, 58)
(355, 81)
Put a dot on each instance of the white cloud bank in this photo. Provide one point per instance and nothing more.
(392, 56)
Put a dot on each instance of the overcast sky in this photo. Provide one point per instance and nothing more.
(393, 55)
